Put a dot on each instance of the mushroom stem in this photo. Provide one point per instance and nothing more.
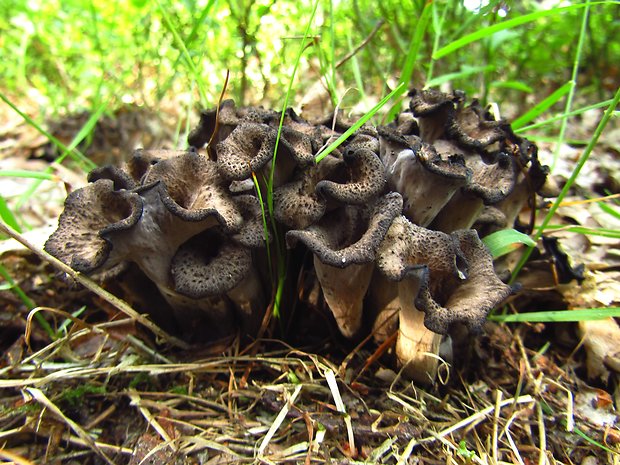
(417, 347)
(344, 290)
(460, 212)
(249, 300)
(208, 317)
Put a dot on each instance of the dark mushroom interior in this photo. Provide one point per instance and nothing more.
(387, 218)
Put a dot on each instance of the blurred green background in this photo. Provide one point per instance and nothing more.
(64, 56)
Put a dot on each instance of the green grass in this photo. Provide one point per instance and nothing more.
(560, 316)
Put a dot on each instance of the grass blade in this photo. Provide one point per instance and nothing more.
(29, 174)
(509, 24)
(573, 80)
(603, 232)
(563, 116)
(334, 145)
(542, 106)
(412, 55)
(560, 316)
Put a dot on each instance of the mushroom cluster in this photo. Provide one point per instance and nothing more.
(387, 217)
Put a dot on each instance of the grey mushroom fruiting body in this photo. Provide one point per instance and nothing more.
(386, 217)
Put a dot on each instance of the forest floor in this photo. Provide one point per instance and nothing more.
(103, 390)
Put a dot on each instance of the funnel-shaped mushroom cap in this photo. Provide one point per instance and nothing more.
(227, 119)
(426, 179)
(195, 190)
(209, 264)
(471, 127)
(493, 178)
(407, 245)
(349, 235)
(212, 264)
(365, 178)
(454, 273)
(297, 203)
(248, 148)
(434, 111)
(90, 211)
(344, 244)
(471, 300)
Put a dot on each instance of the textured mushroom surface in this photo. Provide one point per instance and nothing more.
(344, 245)
(385, 219)
(89, 213)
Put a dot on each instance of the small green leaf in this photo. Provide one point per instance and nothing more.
(505, 241)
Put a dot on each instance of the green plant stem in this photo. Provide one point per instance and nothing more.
(281, 261)
(580, 163)
(573, 81)
(188, 58)
(563, 116)
(415, 44)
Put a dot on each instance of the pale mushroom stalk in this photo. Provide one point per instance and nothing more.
(342, 288)
(461, 212)
(417, 347)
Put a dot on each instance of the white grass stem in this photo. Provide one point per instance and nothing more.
(330, 377)
(278, 421)
(511, 442)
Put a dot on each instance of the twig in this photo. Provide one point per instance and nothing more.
(94, 287)
(352, 53)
